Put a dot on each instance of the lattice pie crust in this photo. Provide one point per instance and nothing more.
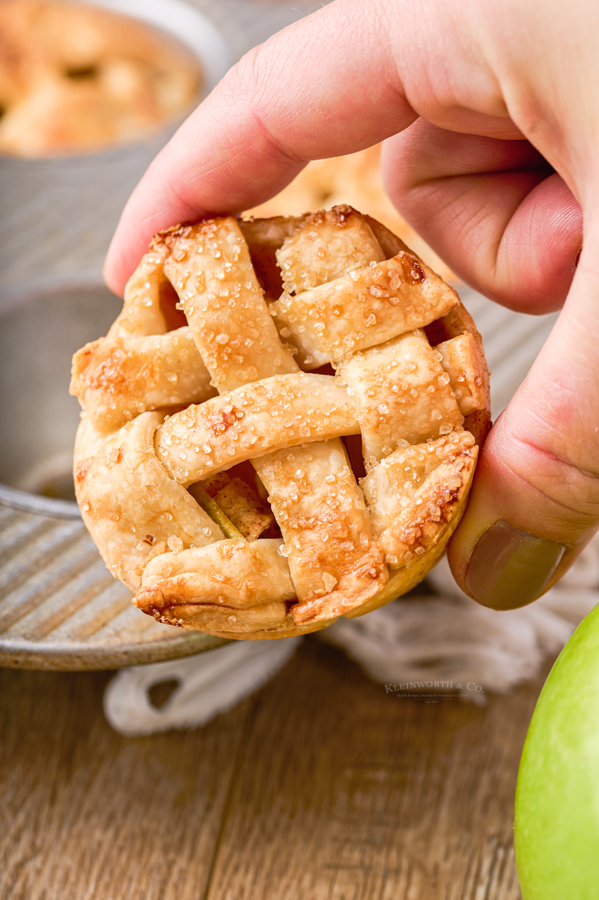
(215, 464)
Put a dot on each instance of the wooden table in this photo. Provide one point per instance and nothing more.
(320, 786)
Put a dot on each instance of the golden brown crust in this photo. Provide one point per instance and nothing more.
(334, 560)
(456, 322)
(209, 266)
(246, 423)
(141, 364)
(264, 237)
(130, 506)
(229, 580)
(412, 494)
(462, 360)
(366, 307)
(118, 378)
(401, 393)
(406, 392)
(336, 241)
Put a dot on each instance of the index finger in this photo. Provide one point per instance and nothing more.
(323, 87)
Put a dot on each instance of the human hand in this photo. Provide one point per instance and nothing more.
(492, 124)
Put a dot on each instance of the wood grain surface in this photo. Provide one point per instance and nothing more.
(319, 786)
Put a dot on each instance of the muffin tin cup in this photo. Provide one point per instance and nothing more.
(59, 606)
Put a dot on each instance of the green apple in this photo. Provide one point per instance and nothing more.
(557, 797)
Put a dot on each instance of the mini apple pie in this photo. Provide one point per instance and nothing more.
(281, 426)
(76, 77)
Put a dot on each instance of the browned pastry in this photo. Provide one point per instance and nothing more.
(216, 463)
(354, 179)
(75, 77)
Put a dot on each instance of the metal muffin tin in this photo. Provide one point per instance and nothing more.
(59, 606)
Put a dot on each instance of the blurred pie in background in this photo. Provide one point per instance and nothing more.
(77, 77)
(356, 180)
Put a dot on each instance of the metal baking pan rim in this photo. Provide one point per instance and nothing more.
(33, 503)
(72, 657)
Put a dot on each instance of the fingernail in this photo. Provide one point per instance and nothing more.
(509, 568)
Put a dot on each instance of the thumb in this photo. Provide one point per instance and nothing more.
(535, 501)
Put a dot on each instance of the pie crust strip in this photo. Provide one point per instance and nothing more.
(402, 394)
(251, 421)
(132, 508)
(141, 365)
(413, 493)
(211, 269)
(232, 586)
(119, 378)
(367, 306)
